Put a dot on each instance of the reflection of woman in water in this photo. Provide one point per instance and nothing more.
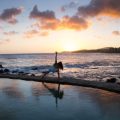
(55, 68)
(57, 93)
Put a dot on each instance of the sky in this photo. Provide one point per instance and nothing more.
(45, 26)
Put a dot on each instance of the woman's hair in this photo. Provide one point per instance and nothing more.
(60, 65)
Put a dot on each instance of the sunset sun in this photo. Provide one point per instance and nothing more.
(70, 46)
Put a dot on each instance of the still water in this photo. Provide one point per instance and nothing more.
(28, 100)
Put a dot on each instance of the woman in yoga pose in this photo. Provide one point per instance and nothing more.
(56, 67)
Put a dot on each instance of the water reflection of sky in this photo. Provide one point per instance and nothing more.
(21, 100)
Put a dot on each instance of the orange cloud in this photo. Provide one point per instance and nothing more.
(116, 32)
(100, 7)
(74, 22)
(47, 20)
(34, 33)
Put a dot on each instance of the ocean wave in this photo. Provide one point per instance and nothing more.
(40, 68)
(87, 65)
(29, 69)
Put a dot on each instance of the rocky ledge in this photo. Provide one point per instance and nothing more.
(110, 86)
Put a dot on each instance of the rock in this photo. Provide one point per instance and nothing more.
(111, 80)
(1, 71)
(26, 73)
(6, 70)
(15, 71)
(118, 83)
(32, 74)
(1, 66)
(34, 68)
(21, 72)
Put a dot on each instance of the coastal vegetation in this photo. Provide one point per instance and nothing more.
(101, 50)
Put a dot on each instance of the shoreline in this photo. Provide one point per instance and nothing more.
(113, 87)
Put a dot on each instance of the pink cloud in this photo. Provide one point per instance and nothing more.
(116, 32)
(2, 41)
(100, 7)
(34, 33)
(9, 15)
(10, 33)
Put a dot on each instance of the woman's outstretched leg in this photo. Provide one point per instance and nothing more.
(44, 74)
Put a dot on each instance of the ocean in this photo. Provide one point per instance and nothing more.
(85, 66)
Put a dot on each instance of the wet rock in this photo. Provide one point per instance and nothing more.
(6, 70)
(15, 71)
(111, 80)
(34, 68)
(26, 73)
(1, 71)
(118, 83)
(21, 72)
(1, 66)
(33, 75)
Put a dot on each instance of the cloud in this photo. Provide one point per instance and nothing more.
(2, 41)
(10, 33)
(45, 15)
(116, 32)
(9, 15)
(47, 20)
(71, 5)
(1, 29)
(47, 24)
(44, 33)
(100, 7)
(34, 33)
(31, 33)
(74, 22)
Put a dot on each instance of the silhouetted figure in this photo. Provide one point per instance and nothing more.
(56, 67)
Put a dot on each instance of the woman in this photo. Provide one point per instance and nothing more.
(56, 67)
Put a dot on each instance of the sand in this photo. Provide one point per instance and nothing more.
(114, 87)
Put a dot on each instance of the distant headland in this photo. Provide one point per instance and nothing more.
(101, 50)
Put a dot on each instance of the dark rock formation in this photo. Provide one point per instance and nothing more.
(6, 70)
(32, 74)
(111, 80)
(35, 68)
(1, 66)
(15, 71)
(1, 71)
(21, 72)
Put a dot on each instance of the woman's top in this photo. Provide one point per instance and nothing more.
(53, 69)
